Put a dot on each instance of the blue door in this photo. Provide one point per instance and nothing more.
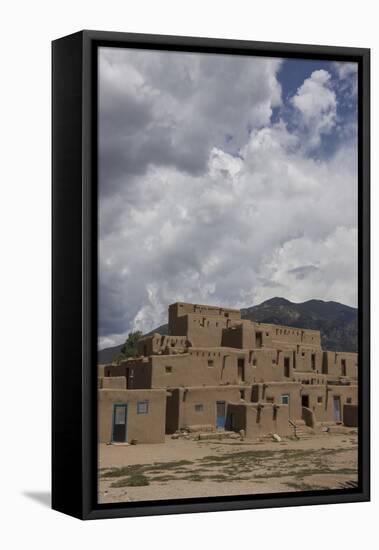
(220, 414)
(119, 424)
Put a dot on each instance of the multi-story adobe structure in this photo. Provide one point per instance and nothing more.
(215, 370)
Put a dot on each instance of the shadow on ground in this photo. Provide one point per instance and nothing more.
(41, 497)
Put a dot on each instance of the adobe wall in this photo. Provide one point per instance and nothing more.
(198, 366)
(212, 366)
(205, 331)
(112, 382)
(100, 370)
(232, 337)
(197, 405)
(145, 428)
(259, 419)
(333, 364)
(137, 372)
(272, 393)
(208, 366)
(320, 399)
(246, 335)
(170, 371)
(181, 308)
(268, 365)
(350, 415)
(308, 360)
(282, 335)
(310, 378)
(157, 343)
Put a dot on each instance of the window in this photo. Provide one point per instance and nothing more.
(199, 407)
(348, 400)
(319, 399)
(343, 367)
(287, 367)
(142, 407)
(210, 362)
(254, 362)
(168, 370)
(273, 362)
(285, 399)
(242, 395)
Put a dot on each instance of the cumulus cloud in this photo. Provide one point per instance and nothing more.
(170, 109)
(316, 103)
(346, 70)
(205, 199)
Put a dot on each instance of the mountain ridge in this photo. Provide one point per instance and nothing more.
(337, 323)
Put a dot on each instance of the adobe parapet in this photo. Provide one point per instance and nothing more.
(178, 309)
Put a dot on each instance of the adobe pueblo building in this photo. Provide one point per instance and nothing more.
(215, 371)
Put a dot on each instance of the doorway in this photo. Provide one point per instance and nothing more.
(220, 414)
(305, 401)
(119, 427)
(241, 370)
(343, 367)
(287, 367)
(258, 339)
(337, 408)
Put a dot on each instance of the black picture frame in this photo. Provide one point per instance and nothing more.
(74, 273)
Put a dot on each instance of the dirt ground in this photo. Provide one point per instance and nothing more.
(187, 468)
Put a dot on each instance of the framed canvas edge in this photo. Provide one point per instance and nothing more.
(87, 507)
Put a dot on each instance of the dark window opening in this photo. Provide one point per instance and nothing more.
(343, 367)
(286, 367)
(258, 339)
(241, 370)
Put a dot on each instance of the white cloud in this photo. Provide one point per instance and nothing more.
(170, 108)
(238, 228)
(345, 69)
(316, 102)
(347, 83)
(305, 262)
